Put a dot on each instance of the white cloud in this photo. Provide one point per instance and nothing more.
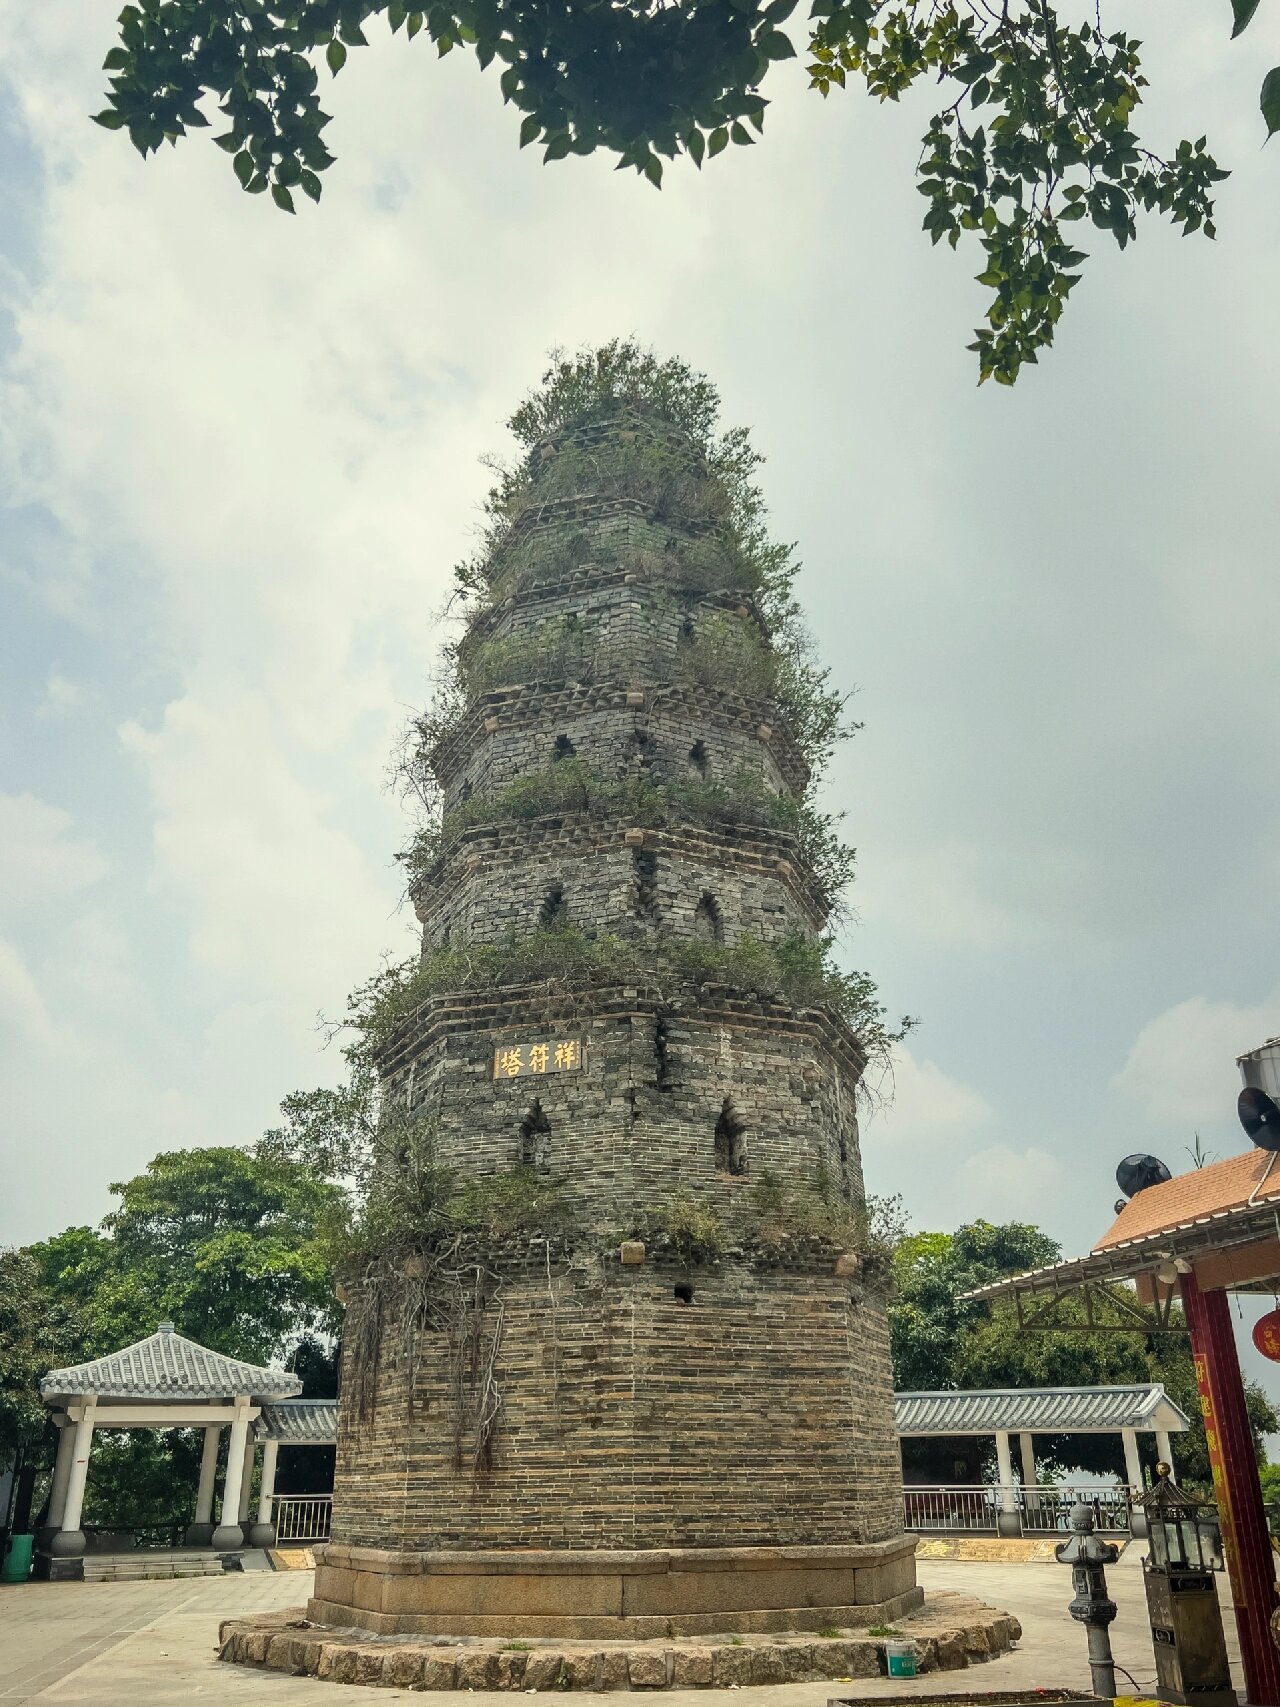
(40, 858)
(61, 696)
(927, 1105)
(1180, 1069)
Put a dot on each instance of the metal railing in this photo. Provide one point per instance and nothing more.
(1042, 1510)
(302, 1517)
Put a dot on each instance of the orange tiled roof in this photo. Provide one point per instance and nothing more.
(1204, 1191)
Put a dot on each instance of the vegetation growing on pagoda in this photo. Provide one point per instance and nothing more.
(740, 798)
(795, 970)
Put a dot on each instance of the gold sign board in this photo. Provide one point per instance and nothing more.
(535, 1060)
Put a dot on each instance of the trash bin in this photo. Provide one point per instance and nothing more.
(17, 1559)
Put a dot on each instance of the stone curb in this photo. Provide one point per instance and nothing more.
(286, 1642)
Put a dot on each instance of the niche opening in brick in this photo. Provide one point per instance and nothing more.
(707, 922)
(553, 915)
(535, 1137)
(699, 762)
(731, 1141)
(683, 1291)
(563, 749)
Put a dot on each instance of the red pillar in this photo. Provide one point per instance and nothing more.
(1245, 1539)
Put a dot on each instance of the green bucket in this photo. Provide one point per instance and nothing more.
(17, 1559)
(900, 1658)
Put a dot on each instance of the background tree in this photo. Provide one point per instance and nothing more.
(1033, 131)
(940, 1342)
(226, 1243)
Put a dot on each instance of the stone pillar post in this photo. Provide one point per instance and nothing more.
(1027, 1453)
(200, 1533)
(263, 1532)
(1164, 1447)
(246, 1483)
(61, 1476)
(228, 1535)
(68, 1543)
(1132, 1463)
(1008, 1518)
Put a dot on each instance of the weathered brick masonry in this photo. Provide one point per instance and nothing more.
(737, 1401)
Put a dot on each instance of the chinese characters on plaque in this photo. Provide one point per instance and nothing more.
(533, 1060)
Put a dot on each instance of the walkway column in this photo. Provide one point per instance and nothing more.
(228, 1535)
(246, 1483)
(200, 1533)
(1164, 1449)
(1027, 1448)
(1245, 1539)
(1132, 1462)
(1008, 1520)
(263, 1532)
(68, 1543)
(58, 1488)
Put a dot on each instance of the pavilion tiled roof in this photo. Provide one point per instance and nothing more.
(1216, 1189)
(167, 1366)
(1039, 1410)
(299, 1422)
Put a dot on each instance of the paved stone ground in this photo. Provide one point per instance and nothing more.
(152, 1644)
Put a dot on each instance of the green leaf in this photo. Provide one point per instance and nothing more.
(397, 12)
(776, 45)
(697, 146)
(242, 166)
(336, 55)
(779, 10)
(653, 171)
(741, 134)
(229, 142)
(1243, 10)
(1270, 102)
(281, 197)
(311, 185)
(558, 147)
(415, 24)
(353, 35)
(718, 139)
(257, 184)
(110, 119)
(116, 60)
(529, 130)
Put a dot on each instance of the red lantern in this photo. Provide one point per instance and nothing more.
(1266, 1335)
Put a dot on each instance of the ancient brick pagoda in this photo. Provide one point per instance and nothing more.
(635, 1426)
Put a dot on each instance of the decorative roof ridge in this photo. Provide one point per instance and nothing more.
(168, 1365)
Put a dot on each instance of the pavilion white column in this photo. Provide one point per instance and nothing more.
(68, 1543)
(1027, 1447)
(263, 1532)
(1008, 1521)
(246, 1482)
(228, 1535)
(1164, 1446)
(1132, 1463)
(61, 1473)
(200, 1533)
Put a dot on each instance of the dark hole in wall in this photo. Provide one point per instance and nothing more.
(699, 762)
(535, 1137)
(683, 1291)
(661, 1055)
(554, 912)
(731, 1144)
(563, 749)
(644, 866)
(707, 922)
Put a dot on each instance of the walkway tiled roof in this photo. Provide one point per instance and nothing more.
(1039, 1410)
(1216, 1189)
(299, 1422)
(167, 1366)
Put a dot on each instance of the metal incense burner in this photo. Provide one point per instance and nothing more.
(1182, 1598)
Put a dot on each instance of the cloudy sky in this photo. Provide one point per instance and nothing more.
(239, 455)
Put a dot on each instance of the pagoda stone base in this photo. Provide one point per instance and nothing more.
(950, 1632)
(610, 1594)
